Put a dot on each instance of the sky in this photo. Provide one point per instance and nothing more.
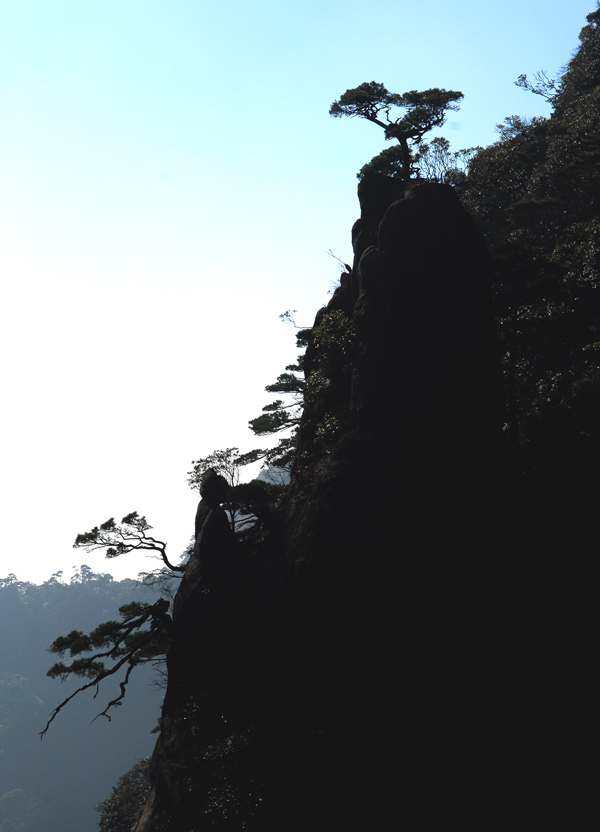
(170, 184)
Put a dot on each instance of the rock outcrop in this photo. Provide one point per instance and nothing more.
(354, 689)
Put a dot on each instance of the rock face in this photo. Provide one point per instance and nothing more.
(354, 689)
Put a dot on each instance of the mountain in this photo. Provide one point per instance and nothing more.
(354, 638)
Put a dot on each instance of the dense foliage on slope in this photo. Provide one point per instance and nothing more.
(536, 195)
(121, 809)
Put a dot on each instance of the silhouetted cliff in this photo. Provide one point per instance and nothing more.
(348, 683)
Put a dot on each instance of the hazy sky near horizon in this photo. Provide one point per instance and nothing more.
(170, 183)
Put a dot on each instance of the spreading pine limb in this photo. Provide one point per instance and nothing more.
(120, 539)
(128, 647)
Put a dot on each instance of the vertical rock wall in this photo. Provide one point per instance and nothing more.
(357, 689)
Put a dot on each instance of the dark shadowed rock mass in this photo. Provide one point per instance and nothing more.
(357, 691)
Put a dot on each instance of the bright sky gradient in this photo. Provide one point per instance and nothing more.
(170, 183)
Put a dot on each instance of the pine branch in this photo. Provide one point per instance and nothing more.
(157, 612)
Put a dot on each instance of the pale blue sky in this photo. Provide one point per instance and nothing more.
(170, 182)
